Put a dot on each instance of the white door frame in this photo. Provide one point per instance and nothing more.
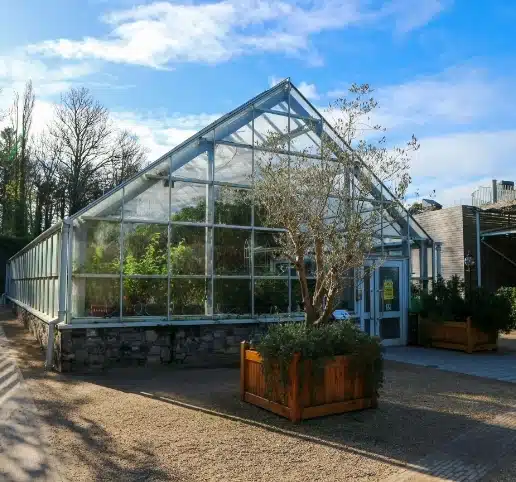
(371, 316)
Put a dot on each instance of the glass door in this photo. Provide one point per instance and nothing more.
(385, 302)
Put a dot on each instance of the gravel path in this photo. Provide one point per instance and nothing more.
(189, 425)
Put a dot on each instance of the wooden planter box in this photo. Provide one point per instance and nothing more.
(456, 335)
(342, 389)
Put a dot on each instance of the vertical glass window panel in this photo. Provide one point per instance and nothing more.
(269, 126)
(147, 199)
(234, 126)
(145, 249)
(232, 251)
(346, 299)
(305, 140)
(188, 202)
(390, 277)
(232, 206)
(97, 297)
(145, 297)
(243, 135)
(232, 296)
(96, 247)
(188, 296)
(233, 164)
(110, 207)
(267, 258)
(188, 250)
(390, 328)
(299, 106)
(197, 168)
(270, 296)
(297, 298)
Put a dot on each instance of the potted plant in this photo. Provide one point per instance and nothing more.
(468, 321)
(323, 198)
(300, 371)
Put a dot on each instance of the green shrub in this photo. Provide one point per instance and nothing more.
(319, 344)
(489, 312)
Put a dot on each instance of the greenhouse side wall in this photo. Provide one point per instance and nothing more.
(32, 284)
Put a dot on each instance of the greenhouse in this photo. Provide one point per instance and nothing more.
(182, 244)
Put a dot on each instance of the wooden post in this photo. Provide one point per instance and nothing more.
(294, 401)
(243, 347)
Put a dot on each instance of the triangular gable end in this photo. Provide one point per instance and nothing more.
(225, 147)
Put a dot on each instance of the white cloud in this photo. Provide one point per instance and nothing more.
(309, 91)
(160, 133)
(162, 33)
(456, 164)
(457, 96)
(410, 16)
(48, 80)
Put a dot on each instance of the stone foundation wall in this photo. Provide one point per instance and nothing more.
(96, 349)
(32, 323)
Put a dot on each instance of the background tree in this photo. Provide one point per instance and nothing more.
(332, 209)
(94, 155)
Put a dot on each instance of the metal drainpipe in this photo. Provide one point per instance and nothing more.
(61, 313)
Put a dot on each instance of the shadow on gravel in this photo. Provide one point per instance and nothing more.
(97, 449)
(420, 411)
(416, 416)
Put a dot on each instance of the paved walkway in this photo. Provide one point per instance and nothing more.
(468, 457)
(497, 366)
(24, 456)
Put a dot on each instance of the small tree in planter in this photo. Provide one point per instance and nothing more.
(326, 198)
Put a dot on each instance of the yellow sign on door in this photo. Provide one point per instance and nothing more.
(388, 290)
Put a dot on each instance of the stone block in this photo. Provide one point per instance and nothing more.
(151, 336)
(81, 356)
(154, 359)
(165, 354)
(154, 350)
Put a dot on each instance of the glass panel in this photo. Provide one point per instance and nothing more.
(244, 135)
(145, 297)
(367, 326)
(145, 248)
(267, 261)
(150, 203)
(270, 296)
(389, 283)
(96, 247)
(297, 299)
(188, 202)
(231, 251)
(232, 206)
(232, 296)
(197, 168)
(187, 250)
(300, 106)
(346, 301)
(234, 124)
(109, 207)
(233, 164)
(267, 125)
(367, 292)
(389, 328)
(96, 297)
(187, 296)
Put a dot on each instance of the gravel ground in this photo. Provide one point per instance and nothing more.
(189, 425)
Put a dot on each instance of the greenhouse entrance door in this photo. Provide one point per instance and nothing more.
(384, 308)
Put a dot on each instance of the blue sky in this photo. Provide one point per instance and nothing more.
(442, 69)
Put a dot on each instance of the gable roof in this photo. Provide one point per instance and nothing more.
(283, 101)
